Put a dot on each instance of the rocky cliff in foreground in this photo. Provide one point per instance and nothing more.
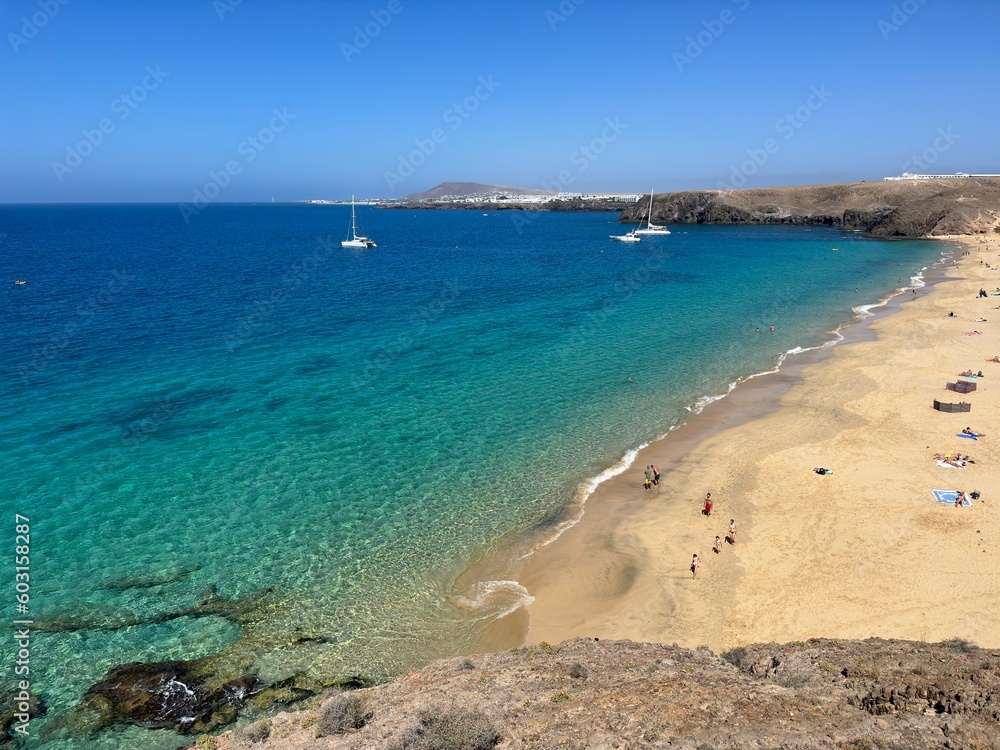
(856, 695)
(899, 208)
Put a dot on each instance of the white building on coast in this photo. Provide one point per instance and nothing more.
(909, 176)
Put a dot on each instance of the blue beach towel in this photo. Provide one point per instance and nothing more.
(971, 437)
(948, 496)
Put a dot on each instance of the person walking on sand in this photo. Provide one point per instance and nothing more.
(648, 481)
(717, 547)
(708, 504)
(732, 531)
(695, 562)
(656, 478)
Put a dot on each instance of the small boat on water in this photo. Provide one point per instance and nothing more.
(354, 240)
(650, 227)
(627, 237)
(18, 282)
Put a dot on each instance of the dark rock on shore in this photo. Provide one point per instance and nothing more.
(198, 695)
(175, 695)
(186, 696)
(898, 208)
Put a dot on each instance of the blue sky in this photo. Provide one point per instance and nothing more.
(119, 100)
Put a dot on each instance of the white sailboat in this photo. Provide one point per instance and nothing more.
(650, 227)
(356, 241)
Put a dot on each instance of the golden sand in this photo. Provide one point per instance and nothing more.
(864, 551)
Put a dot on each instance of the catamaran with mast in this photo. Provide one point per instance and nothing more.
(650, 227)
(355, 240)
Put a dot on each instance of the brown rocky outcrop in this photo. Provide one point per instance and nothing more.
(849, 695)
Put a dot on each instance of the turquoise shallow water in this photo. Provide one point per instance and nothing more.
(239, 404)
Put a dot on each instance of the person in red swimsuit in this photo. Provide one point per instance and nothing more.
(708, 504)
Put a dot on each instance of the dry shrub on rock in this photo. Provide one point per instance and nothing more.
(253, 733)
(449, 727)
(341, 714)
(735, 656)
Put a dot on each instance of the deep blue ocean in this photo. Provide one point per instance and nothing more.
(238, 404)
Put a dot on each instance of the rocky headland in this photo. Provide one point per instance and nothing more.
(585, 693)
(894, 208)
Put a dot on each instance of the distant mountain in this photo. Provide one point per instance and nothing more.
(463, 189)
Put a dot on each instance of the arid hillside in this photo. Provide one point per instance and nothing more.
(619, 694)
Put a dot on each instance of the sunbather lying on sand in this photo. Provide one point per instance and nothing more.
(967, 373)
(968, 431)
(994, 359)
(954, 459)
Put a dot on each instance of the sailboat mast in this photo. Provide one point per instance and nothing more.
(649, 219)
(354, 228)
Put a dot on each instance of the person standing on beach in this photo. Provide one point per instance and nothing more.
(656, 478)
(717, 547)
(732, 531)
(648, 481)
(708, 504)
(695, 562)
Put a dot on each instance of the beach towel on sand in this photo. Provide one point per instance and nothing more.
(971, 437)
(948, 496)
(945, 465)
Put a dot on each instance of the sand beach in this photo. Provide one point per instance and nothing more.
(863, 551)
